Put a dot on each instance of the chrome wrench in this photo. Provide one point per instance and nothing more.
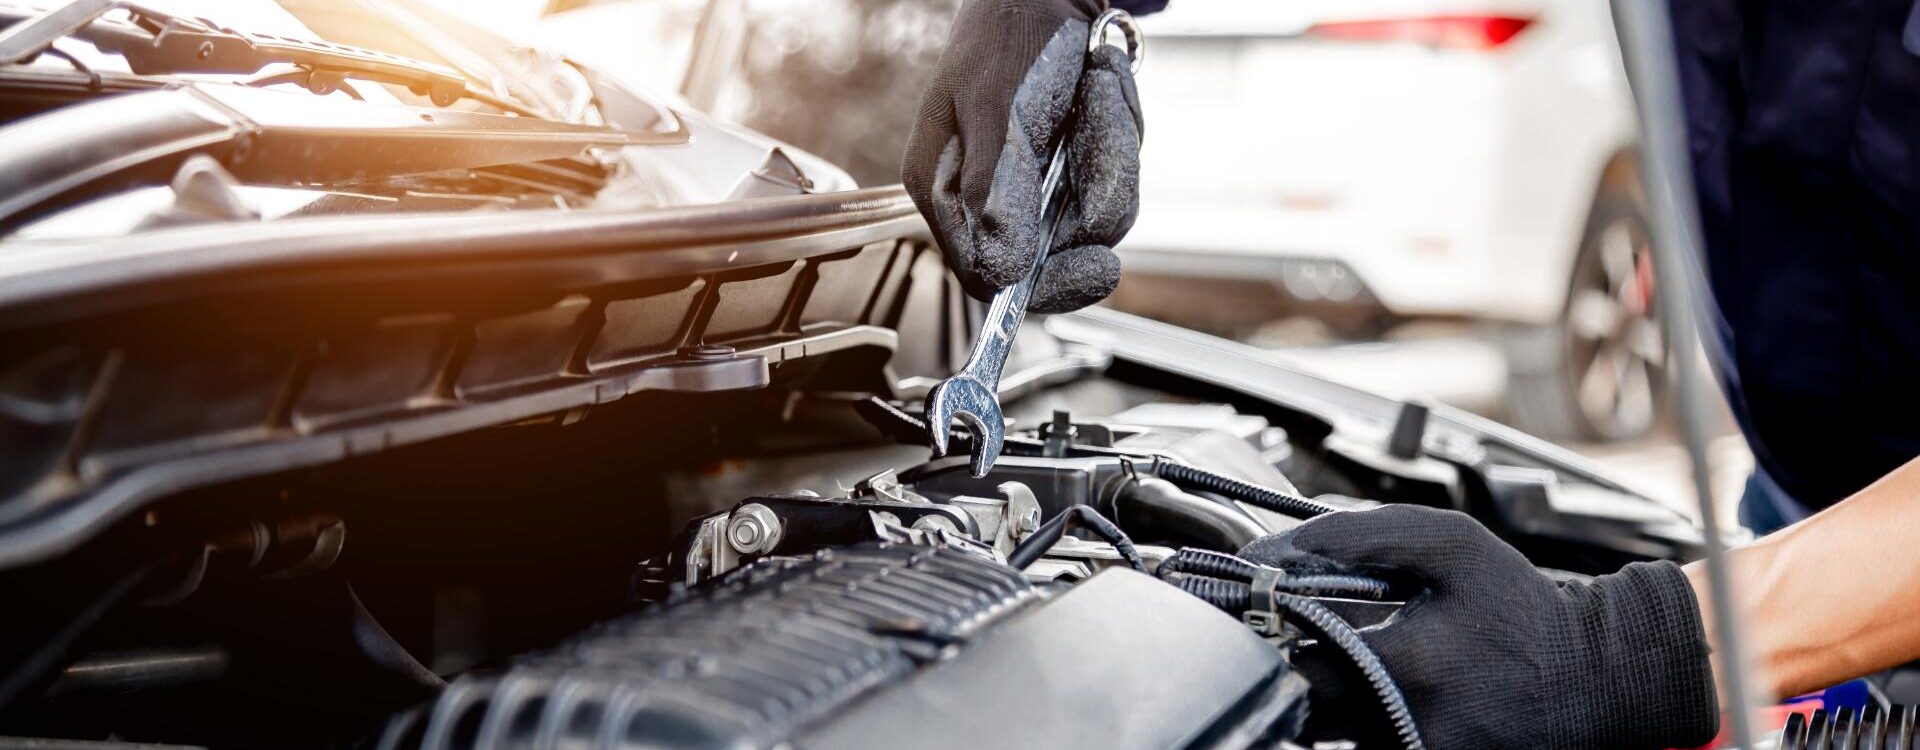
(972, 394)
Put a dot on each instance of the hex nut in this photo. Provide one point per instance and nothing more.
(754, 529)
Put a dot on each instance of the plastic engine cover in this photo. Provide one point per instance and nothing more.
(883, 646)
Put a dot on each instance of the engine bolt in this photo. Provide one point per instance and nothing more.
(1028, 521)
(754, 529)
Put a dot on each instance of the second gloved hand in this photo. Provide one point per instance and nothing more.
(1496, 654)
(1000, 95)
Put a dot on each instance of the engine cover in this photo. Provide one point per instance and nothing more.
(883, 646)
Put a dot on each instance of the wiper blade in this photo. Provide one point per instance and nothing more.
(159, 43)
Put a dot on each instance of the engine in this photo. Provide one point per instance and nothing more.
(881, 644)
(629, 581)
(1067, 599)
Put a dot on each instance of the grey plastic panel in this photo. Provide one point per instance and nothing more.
(645, 325)
(1120, 662)
(515, 349)
(395, 361)
(751, 302)
(846, 286)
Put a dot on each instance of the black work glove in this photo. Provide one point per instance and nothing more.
(979, 151)
(1495, 654)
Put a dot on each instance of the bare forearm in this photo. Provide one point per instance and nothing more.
(1833, 597)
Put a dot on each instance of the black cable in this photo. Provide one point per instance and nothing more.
(1322, 623)
(1196, 478)
(1050, 532)
(1228, 596)
(1207, 562)
(897, 425)
(906, 428)
(1343, 587)
(1203, 562)
(1235, 597)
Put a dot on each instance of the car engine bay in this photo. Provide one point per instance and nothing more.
(597, 432)
(781, 567)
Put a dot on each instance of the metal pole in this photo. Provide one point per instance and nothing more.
(1646, 40)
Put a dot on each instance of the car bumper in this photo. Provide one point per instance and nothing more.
(1224, 292)
(1338, 258)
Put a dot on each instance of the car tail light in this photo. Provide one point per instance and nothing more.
(1447, 32)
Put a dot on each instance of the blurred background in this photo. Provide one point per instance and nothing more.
(1431, 199)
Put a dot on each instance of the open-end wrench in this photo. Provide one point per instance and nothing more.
(973, 393)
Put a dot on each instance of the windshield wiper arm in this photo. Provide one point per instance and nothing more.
(159, 43)
(30, 37)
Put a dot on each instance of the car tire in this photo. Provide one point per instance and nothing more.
(1599, 373)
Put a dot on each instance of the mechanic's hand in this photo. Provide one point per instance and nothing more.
(1495, 654)
(979, 151)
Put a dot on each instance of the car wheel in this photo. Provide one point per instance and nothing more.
(1600, 372)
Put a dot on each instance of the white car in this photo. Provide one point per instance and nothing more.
(1371, 161)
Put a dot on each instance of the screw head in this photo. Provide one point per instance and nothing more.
(754, 529)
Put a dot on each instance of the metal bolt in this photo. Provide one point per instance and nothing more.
(1023, 509)
(1027, 521)
(753, 529)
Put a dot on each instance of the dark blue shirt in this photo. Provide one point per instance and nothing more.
(1804, 125)
(1140, 7)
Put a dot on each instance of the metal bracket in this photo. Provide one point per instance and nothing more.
(884, 486)
(1023, 509)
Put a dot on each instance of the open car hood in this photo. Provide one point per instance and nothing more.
(140, 367)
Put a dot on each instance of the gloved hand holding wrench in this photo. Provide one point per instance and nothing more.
(1076, 109)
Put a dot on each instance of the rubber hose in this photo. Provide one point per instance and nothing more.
(1049, 533)
(1149, 502)
(1311, 616)
(1195, 478)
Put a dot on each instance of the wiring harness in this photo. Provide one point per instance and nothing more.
(1263, 597)
(1266, 597)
